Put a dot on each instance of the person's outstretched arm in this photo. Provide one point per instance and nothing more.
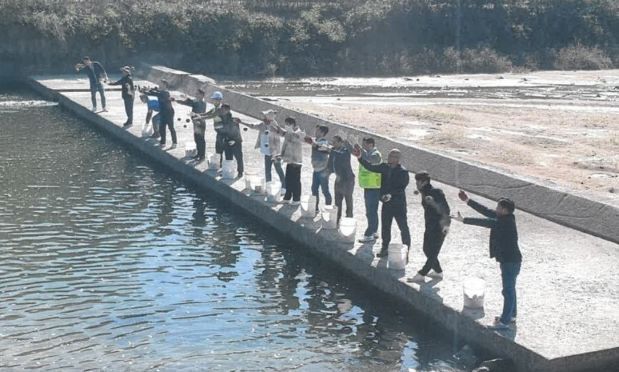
(118, 82)
(483, 222)
(476, 206)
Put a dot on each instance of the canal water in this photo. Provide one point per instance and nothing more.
(108, 263)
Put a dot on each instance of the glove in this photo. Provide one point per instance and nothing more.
(385, 198)
(231, 143)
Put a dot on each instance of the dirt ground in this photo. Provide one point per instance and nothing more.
(561, 128)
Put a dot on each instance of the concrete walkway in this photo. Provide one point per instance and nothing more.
(568, 316)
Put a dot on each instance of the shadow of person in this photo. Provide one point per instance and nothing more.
(509, 333)
(478, 313)
(429, 289)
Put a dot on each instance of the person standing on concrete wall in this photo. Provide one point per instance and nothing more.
(320, 161)
(152, 105)
(215, 113)
(269, 144)
(437, 220)
(394, 180)
(198, 106)
(370, 183)
(503, 247)
(166, 111)
(339, 163)
(292, 154)
(127, 93)
(233, 142)
(96, 75)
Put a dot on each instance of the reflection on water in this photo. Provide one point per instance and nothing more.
(106, 262)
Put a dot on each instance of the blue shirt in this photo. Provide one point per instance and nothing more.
(153, 104)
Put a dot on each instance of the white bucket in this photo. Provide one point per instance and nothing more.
(190, 149)
(474, 290)
(258, 185)
(213, 161)
(228, 169)
(308, 206)
(395, 258)
(329, 218)
(348, 229)
(273, 189)
(147, 130)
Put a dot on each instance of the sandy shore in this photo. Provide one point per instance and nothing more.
(559, 127)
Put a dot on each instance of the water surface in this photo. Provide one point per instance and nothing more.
(108, 263)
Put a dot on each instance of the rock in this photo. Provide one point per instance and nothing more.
(495, 365)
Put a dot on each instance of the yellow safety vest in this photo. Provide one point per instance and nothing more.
(369, 180)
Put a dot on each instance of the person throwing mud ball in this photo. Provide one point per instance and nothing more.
(394, 180)
(127, 93)
(97, 76)
(339, 163)
(198, 106)
(292, 154)
(166, 110)
(436, 214)
(215, 113)
(233, 142)
(269, 144)
(370, 183)
(503, 247)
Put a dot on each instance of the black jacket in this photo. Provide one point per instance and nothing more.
(339, 163)
(436, 214)
(126, 85)
(197, 106)
(394, 180)
(95, 73)
(503, 233)
(165, 100)
(230, 128)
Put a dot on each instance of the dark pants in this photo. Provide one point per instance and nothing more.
(320, 181)
(293, 182)
(235, 152)
(372, 197)
(129, 108)
(156, 124)
(394, 209)
(432, 243)
(343, 190)
(94, 88)
(509, 273)
(268, 164)
(200, 144)
(167, 120)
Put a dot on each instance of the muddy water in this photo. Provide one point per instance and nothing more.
(108, 263)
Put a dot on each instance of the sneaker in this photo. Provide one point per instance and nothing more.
(94, 109)
(367, 239)
(295, 202)
(283, 191)
(498, 325)
(162, 145)
(104, 109)
(127, 125)
(375, 235)
(418, 278)
(382, 253)
(435, 275)
(173, 146)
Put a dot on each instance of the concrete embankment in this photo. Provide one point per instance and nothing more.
(567, 288)
(558, 205)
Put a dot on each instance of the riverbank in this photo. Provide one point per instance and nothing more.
(563, 325)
